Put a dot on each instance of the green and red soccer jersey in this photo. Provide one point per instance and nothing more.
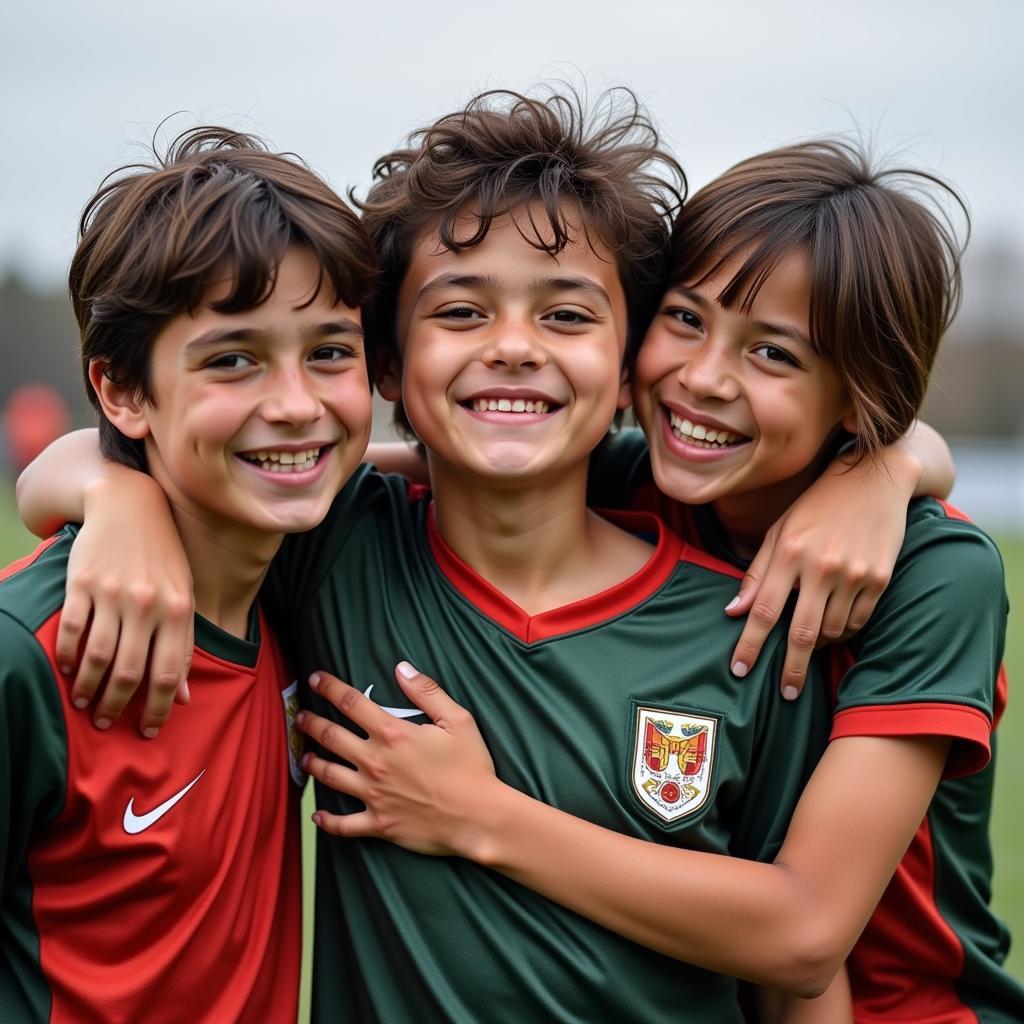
(927, 663)
(143, 880)
(619, 709)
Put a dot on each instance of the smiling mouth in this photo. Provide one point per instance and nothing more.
(701, 435)
(273, 461)
(533, 406)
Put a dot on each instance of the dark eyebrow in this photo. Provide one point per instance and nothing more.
(785, 330)
(570, 284)
(485, 281)
(454, 280)
(221, 335)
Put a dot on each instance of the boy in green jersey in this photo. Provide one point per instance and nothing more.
(741, 392)
(505, 306)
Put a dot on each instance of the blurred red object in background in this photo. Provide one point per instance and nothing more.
(35, 415)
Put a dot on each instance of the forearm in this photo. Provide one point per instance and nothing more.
(919, 464)
(789, 924)
(738, 917)
(56, 487)
(937, 470)
(835, 1006)
(398, 457)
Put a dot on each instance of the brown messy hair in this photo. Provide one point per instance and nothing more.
(884, 264)
(601, 172)
(155, 237)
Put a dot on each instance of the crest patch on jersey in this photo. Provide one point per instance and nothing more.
(296, 740)
(673, 758)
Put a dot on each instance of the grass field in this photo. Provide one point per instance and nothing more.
(1008, 822)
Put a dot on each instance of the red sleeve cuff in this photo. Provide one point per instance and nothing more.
(969, 728)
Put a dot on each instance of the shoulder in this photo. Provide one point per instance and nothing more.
(24, 668)
(947, 558)
(32, 588)
(928, 660)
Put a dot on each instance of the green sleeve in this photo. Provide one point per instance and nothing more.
(790, 738)
(618, 466)
(927, 661)
(33, 748)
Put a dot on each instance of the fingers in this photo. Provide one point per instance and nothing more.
(331, 736)
(744, 600)
(335, 776)
(165, 677)
(182, 696)
(97, 655)
(804, 630)
(764, 613)
(74, 618)
(428, 696)
(348, 826)
(351, 703)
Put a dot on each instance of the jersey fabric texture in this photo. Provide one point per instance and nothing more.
(618, 708)
(143, 880)
(927, 663)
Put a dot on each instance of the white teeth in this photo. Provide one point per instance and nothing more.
(283, 462)
(509, 405)
(697, 433)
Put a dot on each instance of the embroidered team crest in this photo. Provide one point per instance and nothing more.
(673, 756)
(296, 745)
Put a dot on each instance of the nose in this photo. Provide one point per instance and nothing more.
(291, 398)
(513, 345)
(709, 371)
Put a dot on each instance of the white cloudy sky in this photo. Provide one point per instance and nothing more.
(82, 82)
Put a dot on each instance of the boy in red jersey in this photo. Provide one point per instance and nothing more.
(218, 294)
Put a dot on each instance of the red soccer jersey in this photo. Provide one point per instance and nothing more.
(144, 880)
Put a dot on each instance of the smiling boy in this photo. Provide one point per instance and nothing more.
(218, 297)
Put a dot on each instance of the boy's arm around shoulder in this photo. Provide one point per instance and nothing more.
(33, 746)
(129, 600)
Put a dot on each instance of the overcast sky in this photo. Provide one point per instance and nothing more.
(83, 83)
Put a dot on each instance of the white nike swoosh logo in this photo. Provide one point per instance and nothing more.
(135, 823)
(396, 712)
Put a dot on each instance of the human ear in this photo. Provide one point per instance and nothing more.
(849, 422)
(121, 406)
(389, 379)
(625, 392)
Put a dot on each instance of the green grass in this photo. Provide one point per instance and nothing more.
(1007, 823)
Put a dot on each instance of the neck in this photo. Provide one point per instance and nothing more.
(747, 517)
(534, 541)
(228, 565)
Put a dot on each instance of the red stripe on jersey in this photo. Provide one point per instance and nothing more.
(193, 914)
(969, 728)
(907, 928)
(23, 563)
(953, 512)
(571, 617)
(697, 556)
(1002, 693)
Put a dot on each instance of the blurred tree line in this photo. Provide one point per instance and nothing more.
(975, 388)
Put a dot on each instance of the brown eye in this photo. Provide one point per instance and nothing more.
(230, 361)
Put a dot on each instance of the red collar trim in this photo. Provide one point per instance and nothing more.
(570, 618)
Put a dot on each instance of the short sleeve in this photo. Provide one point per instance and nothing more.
(928, 661)
(33, 747)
